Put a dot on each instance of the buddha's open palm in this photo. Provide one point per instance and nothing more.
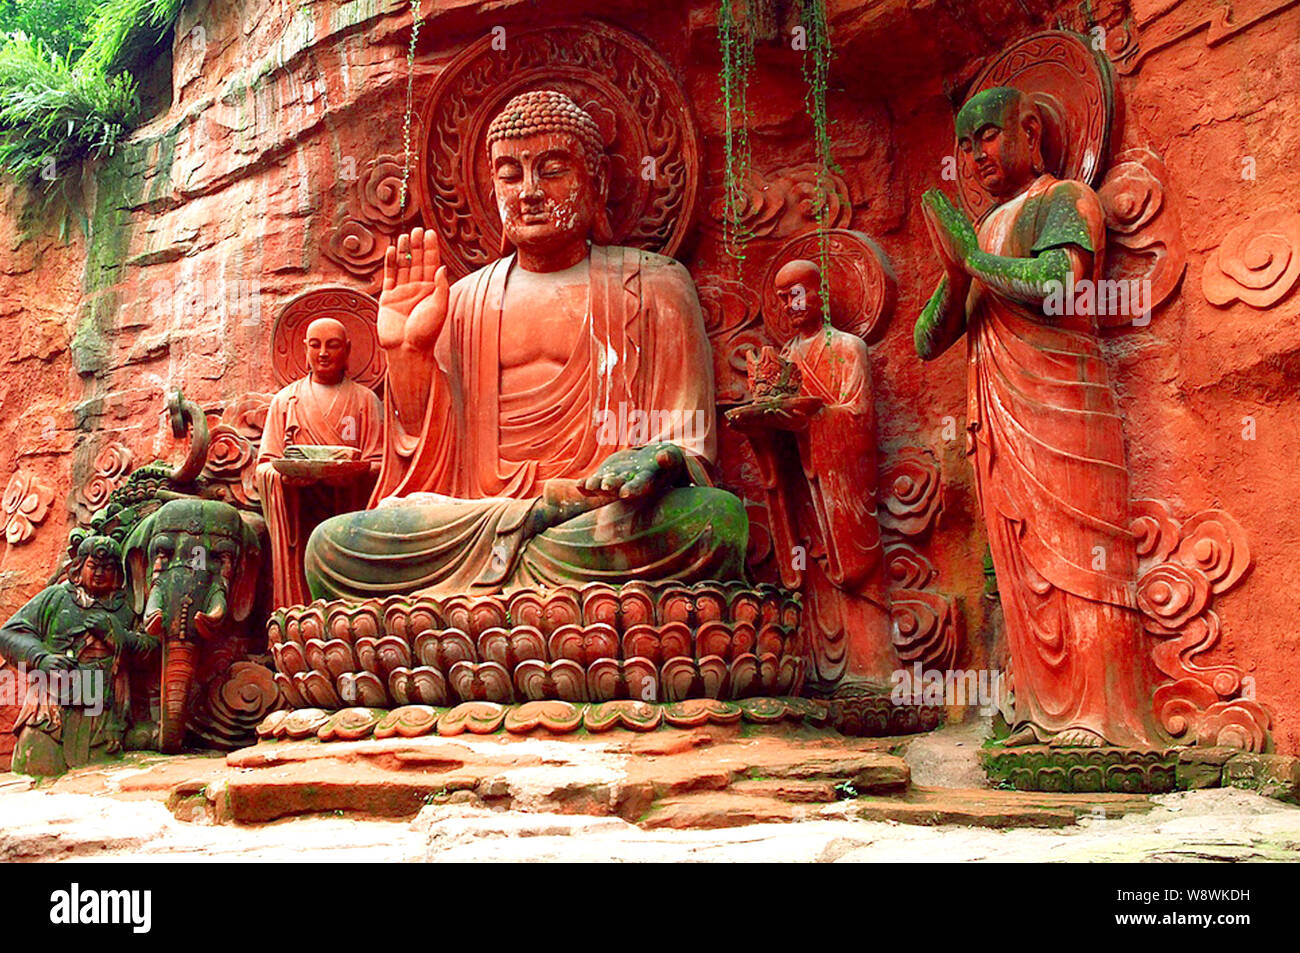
(413, 300)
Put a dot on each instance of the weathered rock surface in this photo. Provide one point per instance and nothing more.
(1226, 825)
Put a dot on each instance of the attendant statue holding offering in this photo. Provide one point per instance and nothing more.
(1043, 428)
(826, 502)
(321, 419)
(496, 475)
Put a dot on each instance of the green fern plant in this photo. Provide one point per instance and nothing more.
(122, 31)
(52, 113)
(57, 108)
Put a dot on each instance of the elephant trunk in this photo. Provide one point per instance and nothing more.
(179, 663)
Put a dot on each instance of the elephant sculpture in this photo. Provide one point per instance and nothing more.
(192, 571)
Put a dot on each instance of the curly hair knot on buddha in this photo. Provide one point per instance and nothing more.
(544, 111)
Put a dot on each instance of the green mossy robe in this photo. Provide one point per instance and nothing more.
(63, 619)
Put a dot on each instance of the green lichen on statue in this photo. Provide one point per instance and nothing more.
(1048, 224)
(70, 643)
(687, 534)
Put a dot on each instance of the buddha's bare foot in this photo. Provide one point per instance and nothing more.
(1077, 738)
(1025, 736)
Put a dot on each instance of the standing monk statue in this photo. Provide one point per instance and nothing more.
(496, 475)
(323, 409)
(1044, 430)
(821, 480)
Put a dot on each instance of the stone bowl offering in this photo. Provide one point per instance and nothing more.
(322, 464)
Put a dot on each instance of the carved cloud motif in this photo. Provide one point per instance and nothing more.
(1258, 263)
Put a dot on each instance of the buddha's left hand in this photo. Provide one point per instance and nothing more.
(641, 473)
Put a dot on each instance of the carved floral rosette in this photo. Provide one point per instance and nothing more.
(232, 704)
(641, 642)
(783, 203)
(375, 211)
(1184, 565)
(1258, 262)
(111, 466)
(229, 471)
(1144, 239)
(926, 625)
(26, 504)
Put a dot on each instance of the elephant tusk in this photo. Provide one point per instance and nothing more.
(153, 614)
(210, 621)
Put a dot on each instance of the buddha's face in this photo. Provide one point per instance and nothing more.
(546, 191)
(99, 575)
(1000, 141)
(798, 288)
(327, 350)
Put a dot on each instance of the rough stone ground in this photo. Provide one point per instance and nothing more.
(693, 797)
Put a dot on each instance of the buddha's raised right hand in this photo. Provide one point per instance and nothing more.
(413, 300)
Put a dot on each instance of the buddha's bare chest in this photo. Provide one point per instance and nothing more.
(541, 322)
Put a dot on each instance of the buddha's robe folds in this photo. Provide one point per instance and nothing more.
(298, 417)
(456, 506)
(1048, 446)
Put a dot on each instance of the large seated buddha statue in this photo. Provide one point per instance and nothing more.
(549, 418)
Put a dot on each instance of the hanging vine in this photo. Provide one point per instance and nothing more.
(816, 70)
(739, 22)
(416, 22)
(736, 41)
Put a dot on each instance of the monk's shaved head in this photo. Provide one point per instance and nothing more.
(998, 106)
(798, 286)
(801, 271)
(328, 350)
(326, 328)
(1000, 140)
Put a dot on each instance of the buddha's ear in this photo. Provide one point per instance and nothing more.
(602, 233)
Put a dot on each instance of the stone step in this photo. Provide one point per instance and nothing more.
(996, 809)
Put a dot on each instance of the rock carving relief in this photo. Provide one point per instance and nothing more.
(1159, 25)
(1258, 262)
(645, 121)
(1183, 567)
(1144, 240)
(26, 504)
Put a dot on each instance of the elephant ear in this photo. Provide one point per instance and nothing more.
(244, 592)
(135, 559)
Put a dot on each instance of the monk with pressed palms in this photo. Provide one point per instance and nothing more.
(1044, 430)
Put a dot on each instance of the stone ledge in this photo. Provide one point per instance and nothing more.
(1133, 770)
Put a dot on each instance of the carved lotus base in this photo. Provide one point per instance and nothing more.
(1082, 770)
(597, 643)
(865, 712)
(556, 717)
